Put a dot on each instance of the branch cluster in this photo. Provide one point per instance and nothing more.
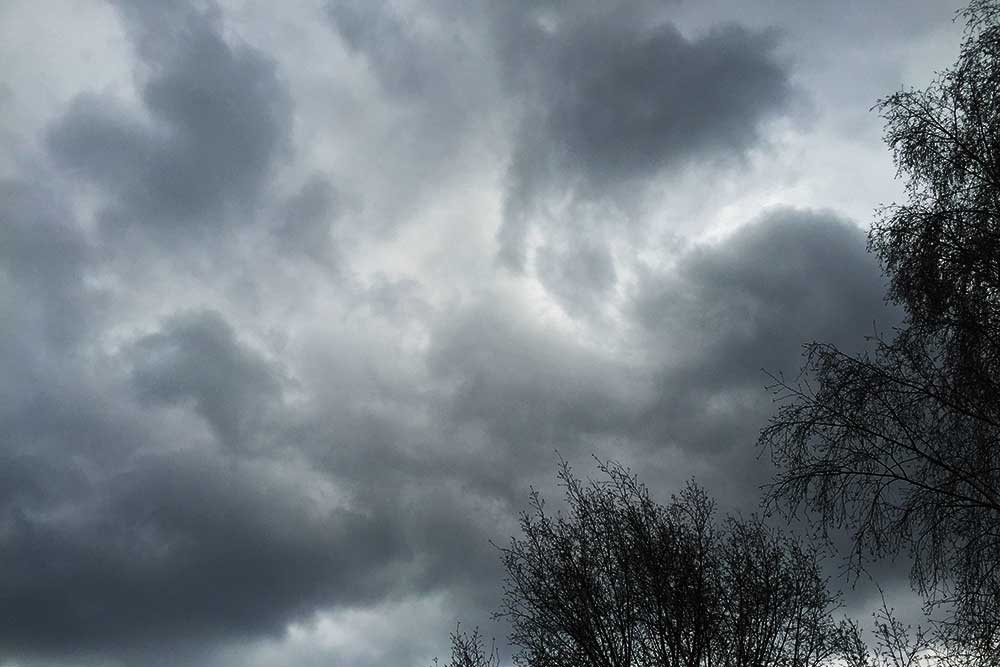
(902, 445)
(621, 581)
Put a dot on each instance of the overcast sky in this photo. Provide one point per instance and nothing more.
(298, 299)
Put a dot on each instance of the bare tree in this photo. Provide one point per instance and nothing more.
(621, 581)
(777, 608)
(902, 445)
(469, 650)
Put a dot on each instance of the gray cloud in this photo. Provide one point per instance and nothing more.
(43, 256)
(150, 536)
(578, 273)
(406, 62)
(710, 326)
(790, 276)
(600, 100)
(310, 418)
(49, 314)
(306, 220)
(526, 387)
(179, 548)
(749, 303)
(123, 533)
(196, 358)
(182, 545)
(615, 98)
(624, 104)
(733, 310)
(431, 69)
(217, 119)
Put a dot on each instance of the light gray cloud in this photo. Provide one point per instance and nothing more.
(578, 273)
(529, 390)
(306, 220)
(405, 61)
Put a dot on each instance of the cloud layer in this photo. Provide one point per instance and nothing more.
(615, 99)
(298, 304)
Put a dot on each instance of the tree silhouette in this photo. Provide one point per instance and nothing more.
(618, 580)
(900, 445)
(468, 649)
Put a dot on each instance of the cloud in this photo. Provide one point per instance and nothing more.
(732, 310)
(580, 100)
(262, 383)
(789, 276)
(578, 272)
(125, 531)
(43, 257)
(216, 118)
(183, 547)
(306, 220)
(614, 100)
(148, 536)
(196, 357)
(406, 60)
(527, 387)
(425, 107)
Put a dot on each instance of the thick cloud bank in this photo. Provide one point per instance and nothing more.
(299, 302)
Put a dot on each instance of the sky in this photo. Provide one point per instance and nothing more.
(299, 300)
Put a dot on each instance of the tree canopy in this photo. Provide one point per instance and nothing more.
(900, 444)
(619, 580)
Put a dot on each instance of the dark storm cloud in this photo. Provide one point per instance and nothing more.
(121, 533)
(183, 547)
(190, 548)
(173, 544)
(621, 103)
(791, 276)
(738, 308)
(217, 118)
(123, 536)
(603, 98)
(177, 481)
(196, 358)
(617, 99)
(48, 312)
(709, 327)
(713, 322)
